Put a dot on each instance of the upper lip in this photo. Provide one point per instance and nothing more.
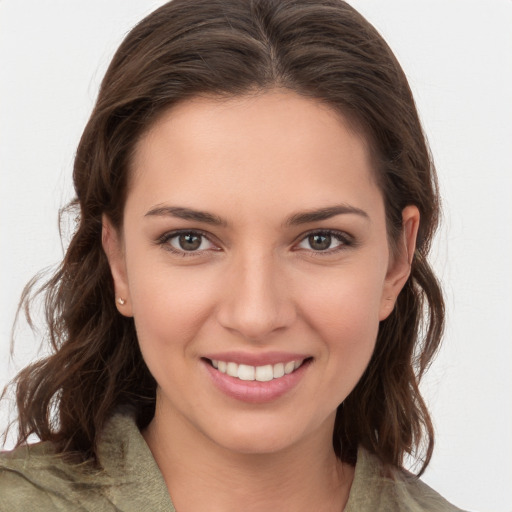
(260, 359)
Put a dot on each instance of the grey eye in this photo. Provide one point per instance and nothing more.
(321, 241)
(190, 242)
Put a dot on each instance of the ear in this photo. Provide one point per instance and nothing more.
(400, 263)
(114, 249)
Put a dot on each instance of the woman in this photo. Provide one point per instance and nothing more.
(238, 321)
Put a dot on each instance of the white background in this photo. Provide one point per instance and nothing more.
(458, 57)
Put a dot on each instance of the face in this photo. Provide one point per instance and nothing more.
(255, 261)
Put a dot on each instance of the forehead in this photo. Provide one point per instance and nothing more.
(276, 147)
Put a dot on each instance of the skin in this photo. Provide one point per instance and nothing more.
(256, 285)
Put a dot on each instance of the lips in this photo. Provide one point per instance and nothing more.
(256, 378)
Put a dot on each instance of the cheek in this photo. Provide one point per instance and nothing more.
(171, 308)
(343, 314)
(348, 301)
(169, 305)
(349, 330)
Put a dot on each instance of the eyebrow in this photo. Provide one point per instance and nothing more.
(187, 214)
(294, 220)
(324, 214)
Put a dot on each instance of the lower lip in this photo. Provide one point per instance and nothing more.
(253, 391)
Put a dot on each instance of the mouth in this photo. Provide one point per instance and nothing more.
(272, 377)
(264, 373)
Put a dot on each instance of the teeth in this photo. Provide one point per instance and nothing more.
(288, 367)
(264, 373)
(278, 370)
(232, 369)
(245, 372)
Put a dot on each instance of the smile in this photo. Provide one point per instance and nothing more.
(263, 373)
(268, 378)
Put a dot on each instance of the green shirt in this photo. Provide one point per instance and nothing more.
(36, 479)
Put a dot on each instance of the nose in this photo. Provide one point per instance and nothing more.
(256, 300)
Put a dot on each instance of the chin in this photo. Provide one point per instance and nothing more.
(255, 436)
(255, 444)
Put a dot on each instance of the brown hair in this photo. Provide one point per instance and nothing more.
(321, 49)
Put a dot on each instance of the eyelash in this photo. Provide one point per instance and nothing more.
(167, 237)
(345, 240)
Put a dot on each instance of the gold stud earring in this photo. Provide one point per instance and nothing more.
(121, 301)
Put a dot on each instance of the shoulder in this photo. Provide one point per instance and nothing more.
(36, 478)
(377, 487)
(33, 475)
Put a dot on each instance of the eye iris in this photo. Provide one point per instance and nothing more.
(189, 241)
(320, 242)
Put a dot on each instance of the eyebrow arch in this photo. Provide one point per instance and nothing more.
(294, 220)
(187, 214)
(324, 214)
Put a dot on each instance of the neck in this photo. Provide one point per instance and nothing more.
(201, 475)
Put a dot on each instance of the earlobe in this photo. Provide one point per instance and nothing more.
(113, 247)
(400, 265)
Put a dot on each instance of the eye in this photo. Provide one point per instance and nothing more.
(183, 242)
(324, 241)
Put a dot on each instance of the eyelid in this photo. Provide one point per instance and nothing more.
(345, 238)
(163, 240)
(347, 241)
